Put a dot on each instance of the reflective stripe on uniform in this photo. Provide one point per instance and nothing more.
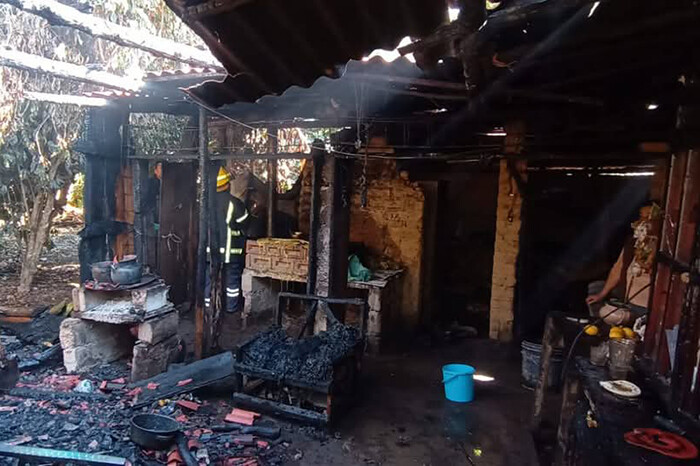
(229, 216)
(236, 233)
(222, 250)
(237, 251)
(229, 212)
(242, 217)
(208, 250)
(233, 293)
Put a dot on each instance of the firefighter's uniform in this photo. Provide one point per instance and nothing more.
(227, 238)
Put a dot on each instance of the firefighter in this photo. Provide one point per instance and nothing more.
(227, 238)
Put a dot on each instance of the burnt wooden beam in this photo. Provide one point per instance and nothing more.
(203, 373)
(37, 64)
(186, 155)
(65, 99)
(279, 409)
(212, 8)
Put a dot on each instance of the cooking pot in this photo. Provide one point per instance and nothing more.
(154, 431)
(102, 271)
(126, 273)
(128, 258)
(158, 432)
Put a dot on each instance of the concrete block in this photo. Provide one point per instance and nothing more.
(150, 360)
(159, 328)
(87, 345)
(75, 295)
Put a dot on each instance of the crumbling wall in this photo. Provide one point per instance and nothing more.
(389, 228)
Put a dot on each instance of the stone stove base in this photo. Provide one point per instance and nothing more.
(111, 325)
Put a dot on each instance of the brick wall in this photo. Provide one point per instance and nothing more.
(390, 227)
(286, 259)
(505, 256)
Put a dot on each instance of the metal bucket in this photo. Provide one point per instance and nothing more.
(531, 362)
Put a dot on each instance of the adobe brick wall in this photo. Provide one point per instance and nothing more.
(390, 227)
(285, 259)
(505, 256)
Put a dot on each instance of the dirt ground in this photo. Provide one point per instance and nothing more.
(403, 418)
(58, 274)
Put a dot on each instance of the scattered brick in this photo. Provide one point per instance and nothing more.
(247, 421)
(135, 392)
(191, 405)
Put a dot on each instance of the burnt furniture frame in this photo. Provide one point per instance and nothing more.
(330, 398)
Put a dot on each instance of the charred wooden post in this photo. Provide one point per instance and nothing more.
(203, 318)
(317, 160)
(272, 187)
(140, 168)
(334, 232)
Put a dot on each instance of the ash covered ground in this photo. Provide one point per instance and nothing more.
(309, 359)
(48, 412)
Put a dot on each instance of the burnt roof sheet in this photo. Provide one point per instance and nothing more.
(269, 45)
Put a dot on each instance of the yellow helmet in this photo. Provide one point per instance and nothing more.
(222, 179)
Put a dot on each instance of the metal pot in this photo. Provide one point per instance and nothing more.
(154, 431)
(126, 273)
(102, 271)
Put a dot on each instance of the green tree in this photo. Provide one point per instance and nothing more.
(37, 163)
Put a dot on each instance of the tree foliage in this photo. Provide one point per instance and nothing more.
(36, 161)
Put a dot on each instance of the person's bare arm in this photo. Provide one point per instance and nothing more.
(614, 277)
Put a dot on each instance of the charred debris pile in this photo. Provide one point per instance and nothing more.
(309, 358)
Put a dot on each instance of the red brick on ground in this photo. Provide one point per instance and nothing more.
(191, 405)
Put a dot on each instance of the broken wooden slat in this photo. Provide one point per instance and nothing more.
(59, 69)
(279, 409)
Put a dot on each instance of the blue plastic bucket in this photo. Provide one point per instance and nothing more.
(459, 382)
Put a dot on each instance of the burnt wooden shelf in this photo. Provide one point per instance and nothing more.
(581, 445)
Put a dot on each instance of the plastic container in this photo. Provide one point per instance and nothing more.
(459, 382)
(531, 362)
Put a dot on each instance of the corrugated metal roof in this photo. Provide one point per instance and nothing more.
(377, 88)
(269, 45)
